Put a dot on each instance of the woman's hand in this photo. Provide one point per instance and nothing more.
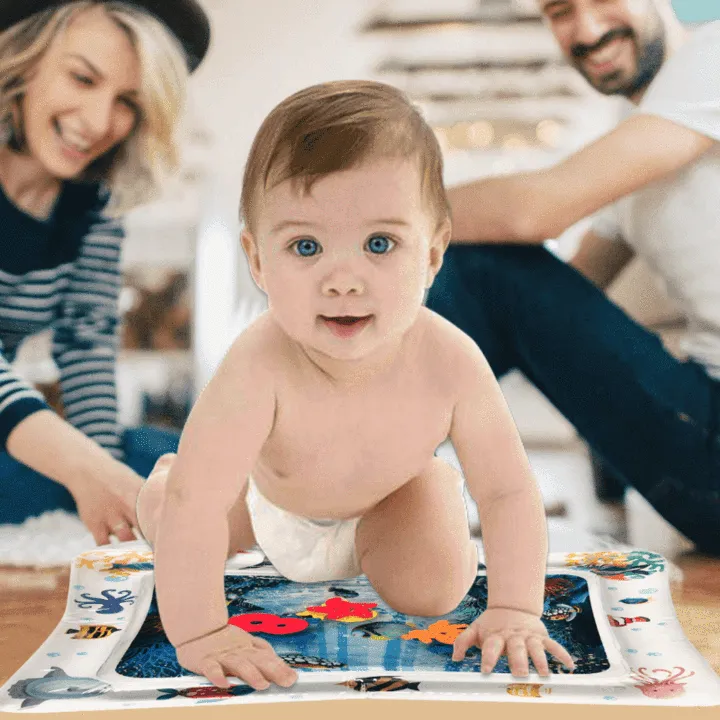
(500, 631)
(104, 490)
(106, 502)
(232, 651)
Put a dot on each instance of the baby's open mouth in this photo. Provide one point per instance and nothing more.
(346, 319)
(345, 326)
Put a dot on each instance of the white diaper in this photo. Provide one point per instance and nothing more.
(303, 549)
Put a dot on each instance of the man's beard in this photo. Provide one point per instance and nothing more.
(650, 55)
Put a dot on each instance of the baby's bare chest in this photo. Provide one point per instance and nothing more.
(385, 435)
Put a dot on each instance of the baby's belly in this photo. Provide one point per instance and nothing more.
(320, 496)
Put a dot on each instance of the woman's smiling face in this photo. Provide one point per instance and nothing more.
(82, 98)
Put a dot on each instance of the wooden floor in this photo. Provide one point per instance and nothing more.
(33, 601)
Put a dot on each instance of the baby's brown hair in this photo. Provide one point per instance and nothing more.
(336, 126)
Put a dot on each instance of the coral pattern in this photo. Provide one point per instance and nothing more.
(635, 565)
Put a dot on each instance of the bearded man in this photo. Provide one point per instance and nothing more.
(652, 185)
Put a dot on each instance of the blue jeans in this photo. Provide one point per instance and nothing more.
(652, 419)
(25, 493)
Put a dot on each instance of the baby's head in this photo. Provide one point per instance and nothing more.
(345, 215)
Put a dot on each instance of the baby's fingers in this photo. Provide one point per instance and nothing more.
(536, 650)
(556, 649)
(213, 671)
(491, 650)
(246, 671)
(464, 641)
(275, 669)
(517, 653)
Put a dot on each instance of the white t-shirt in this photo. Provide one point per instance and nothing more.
(674, 224)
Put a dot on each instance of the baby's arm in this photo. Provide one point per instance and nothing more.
(501, 482)
(220, 442)
(512, 518)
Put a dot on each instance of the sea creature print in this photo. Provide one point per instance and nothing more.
(56, 685)
(561, 611)
(635, 565)
(380, 683)
(442, 631)
(634, 601)
(92, 632)
(624, 621)
(343, 592)
(338, 609)
(205, 692)
(527, 690)
(268, 623)
(555, 586)
(383, 630)
(662, 688)
(310, 662)
(110, 603)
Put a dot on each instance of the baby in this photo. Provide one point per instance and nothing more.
(315, 439)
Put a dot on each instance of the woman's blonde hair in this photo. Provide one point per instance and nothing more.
(134, 169)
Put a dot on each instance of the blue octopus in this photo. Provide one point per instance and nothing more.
(109, 602)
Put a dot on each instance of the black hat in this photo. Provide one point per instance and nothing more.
(185, 18)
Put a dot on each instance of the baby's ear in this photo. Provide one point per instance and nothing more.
(438, 245)
(251, 251)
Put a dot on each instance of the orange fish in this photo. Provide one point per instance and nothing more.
(442, 631)
(527, 690)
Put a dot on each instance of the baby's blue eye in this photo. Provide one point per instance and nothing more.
(307, 248)
(380, 244)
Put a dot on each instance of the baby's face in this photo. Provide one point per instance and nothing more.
(345, 268)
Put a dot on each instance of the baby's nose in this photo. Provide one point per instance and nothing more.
(343, 282)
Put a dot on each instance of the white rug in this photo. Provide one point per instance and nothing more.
(50, 540)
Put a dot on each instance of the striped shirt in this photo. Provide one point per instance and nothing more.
(77, 297)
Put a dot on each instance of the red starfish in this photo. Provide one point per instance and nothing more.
(336, 608)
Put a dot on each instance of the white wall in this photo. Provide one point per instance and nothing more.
(262, 52)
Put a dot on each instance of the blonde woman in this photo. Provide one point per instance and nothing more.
(90, 95)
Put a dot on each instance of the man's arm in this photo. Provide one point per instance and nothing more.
(535, 206)
(501, 482)
(601, 260)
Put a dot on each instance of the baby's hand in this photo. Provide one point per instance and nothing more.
(232, 651)
(513, 632)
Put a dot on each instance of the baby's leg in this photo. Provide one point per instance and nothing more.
(415, 545)
(150, 502)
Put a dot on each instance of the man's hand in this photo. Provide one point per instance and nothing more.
(232, 651)
(106, 503)
(514, 633)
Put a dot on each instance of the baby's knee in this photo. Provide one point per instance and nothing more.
(149, 503)
(426, 604)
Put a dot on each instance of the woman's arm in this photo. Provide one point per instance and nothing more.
(82, 454)
(86, 339)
